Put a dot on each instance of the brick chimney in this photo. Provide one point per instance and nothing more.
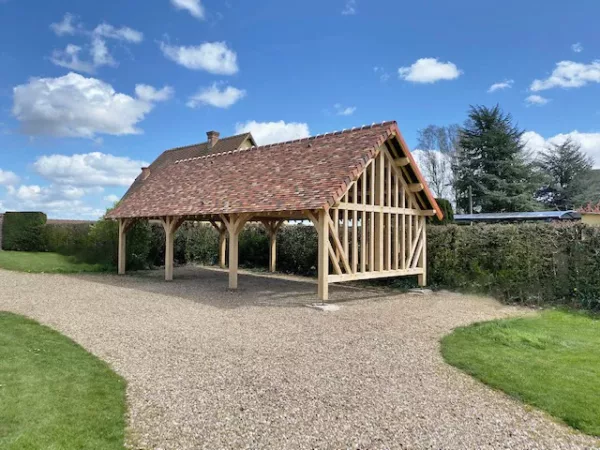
(213, 137)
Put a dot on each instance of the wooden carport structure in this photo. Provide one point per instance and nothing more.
(361, 188)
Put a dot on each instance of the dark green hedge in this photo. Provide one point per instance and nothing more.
(24, 231)
(528, 263)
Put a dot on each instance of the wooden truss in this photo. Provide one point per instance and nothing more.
(376, 230)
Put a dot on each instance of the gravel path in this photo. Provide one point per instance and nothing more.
(256, 369)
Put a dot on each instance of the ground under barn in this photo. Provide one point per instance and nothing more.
(210, 368)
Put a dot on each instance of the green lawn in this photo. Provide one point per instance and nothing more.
(550, 361)
(54, 394)
(44, 262)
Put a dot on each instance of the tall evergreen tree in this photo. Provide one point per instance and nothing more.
(566, 170)
(491, 162)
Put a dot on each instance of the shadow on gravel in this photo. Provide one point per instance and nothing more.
(209, 286)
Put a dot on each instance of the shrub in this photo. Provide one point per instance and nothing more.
(66, 239)
(254, 246)
(297, 249)
(24, 231)
(98, 243)
(447, 210)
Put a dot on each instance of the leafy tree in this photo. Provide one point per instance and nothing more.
(491, 161)
(438, 146)
(566, 169)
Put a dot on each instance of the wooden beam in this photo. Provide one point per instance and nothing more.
(340, 253)
(379, 221)
(323, 263)
(354, 241)
(372, 275)
(363, 224)
(413, 245)
(401, 162)
(415, 187)
(385, 209)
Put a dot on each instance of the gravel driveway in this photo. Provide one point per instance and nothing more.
(257, 369)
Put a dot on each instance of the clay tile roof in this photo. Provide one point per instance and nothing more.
(189, 151)
(310, 173)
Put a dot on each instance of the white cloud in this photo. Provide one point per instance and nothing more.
(213, 57)
(112, 198)
(569, 74)
(349, 8)
(66, 27)
(97, 48)
(56, 201)
(8, 178)
(270, 132)
(429, 70)
(537, 100)
(589, 142)
(122, 34)
(344, 111)
(194, 7)
(213, 96)
(100, 53)
(76, 106)
(506, 84)
(89, 169)
(577, 47)
(69, 59)
(151, 94)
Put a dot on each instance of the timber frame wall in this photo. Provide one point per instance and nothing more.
(376, 230)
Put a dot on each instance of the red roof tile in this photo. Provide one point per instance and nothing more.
(309, 173)
(189, 151)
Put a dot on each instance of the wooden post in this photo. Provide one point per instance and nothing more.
(122, 246)
(379, 222)
(422, 279)
(222, 247)
(170, 225)
(323, 264)
(168, 249)
(272, 227)
(222, 229)
(234, 225)
(233, 258)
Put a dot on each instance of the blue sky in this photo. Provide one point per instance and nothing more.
(89, 91)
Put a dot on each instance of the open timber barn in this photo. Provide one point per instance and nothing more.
(361, 188)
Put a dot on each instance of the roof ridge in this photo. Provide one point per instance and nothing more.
(205, 142)
(310, 138)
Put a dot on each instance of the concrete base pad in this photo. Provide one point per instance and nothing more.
(421, 291)
(328, 307)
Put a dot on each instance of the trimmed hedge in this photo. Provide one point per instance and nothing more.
(24, 231)
(528, 263)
